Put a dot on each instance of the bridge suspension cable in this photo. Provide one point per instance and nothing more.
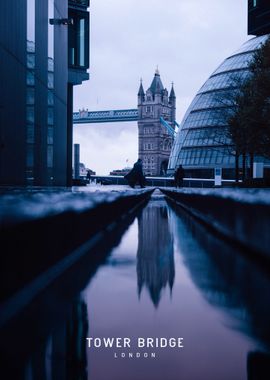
(169, 128)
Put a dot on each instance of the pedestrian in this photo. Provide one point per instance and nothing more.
(136, 175)
(88, 176)
(179, 176)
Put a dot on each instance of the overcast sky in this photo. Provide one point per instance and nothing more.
(187, 39)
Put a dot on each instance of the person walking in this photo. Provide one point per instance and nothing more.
(88, 176)
(136, 175)
(179, 176)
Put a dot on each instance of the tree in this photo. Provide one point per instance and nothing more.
(246, 111)
(260, 70)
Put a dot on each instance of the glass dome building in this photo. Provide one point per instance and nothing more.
(201, 143)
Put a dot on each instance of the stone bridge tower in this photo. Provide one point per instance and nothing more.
(155, 142)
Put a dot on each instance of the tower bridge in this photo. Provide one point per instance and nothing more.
(156, 124)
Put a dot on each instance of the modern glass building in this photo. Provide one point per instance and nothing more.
(201, 144)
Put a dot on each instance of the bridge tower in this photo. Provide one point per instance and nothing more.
(155, 142)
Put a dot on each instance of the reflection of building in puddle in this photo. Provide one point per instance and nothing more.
(227, 279)
(155, 261)
(64, 355)
(77, 329)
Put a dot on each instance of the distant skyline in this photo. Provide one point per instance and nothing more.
(187, 39)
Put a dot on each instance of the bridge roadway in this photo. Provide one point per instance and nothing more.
(111, 116)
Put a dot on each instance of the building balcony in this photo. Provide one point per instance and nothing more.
(78, 41)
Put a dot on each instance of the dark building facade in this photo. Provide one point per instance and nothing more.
(155, 141)
(258, 17)
(44, 52)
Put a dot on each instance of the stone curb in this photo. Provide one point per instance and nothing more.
(35, 242)
(243, 222)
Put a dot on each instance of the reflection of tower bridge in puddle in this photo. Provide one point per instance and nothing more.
(155, 267)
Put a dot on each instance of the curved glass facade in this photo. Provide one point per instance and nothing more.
(201, 142)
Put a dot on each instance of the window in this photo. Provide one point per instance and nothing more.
(31, 20)
(50, 116)
(30, 115)
(50, 30)
(49, 156)
(30, 134)
(30, 96)
(30, 79)
(30, 156)
(78, 35)
(50, 98)
(50, 136)
(30, 61)
(50, 81)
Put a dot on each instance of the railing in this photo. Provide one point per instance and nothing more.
(83, 3)
(162, 181)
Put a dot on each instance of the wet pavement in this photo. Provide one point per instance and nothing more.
(165, 278)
